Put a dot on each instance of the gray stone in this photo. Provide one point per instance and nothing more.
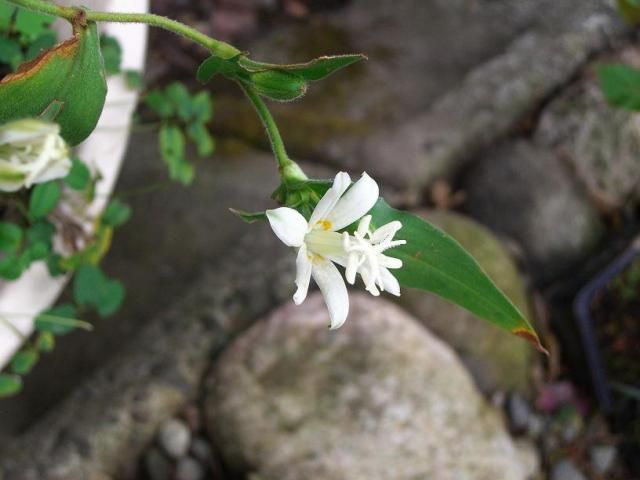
(174, 437)
(497, 360)
(157, 466)
(414, 113)
(566, 470)
(603, 458)
(527, 194)
(600, 142)
(529, 457)
(189, 469)
(379, 398)
(519, 412)
(201, 450)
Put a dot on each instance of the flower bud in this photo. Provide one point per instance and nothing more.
(279, 85)
(31, 151)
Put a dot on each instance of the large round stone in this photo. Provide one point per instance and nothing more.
(381, 398)
(497, 360)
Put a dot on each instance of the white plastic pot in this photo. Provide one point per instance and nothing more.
(36, 290)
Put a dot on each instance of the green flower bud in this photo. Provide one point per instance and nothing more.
(278, 85)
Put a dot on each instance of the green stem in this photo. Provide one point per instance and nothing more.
(289, 170)
(221, 49)
(46, 7)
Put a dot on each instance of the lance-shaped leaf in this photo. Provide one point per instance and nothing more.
(312, 71)
(435, 262)
(249, 217)
(70, 76)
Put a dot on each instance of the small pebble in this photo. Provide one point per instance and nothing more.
(201, 450)
(566, 470)
(174, 437)
(603, 458)
(157, 466)
(535, 426)
(189, 469)
(519, 412)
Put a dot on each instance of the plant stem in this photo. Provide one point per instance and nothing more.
(221, 49)
(46, 7)
(289, 170)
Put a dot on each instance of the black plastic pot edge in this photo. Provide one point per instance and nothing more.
(582, 311)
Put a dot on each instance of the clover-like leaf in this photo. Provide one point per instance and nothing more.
(435, 262)
(91, 287)
(71, 74)
(9, 385)
(10, 237)
(44, 198)
(24, 361)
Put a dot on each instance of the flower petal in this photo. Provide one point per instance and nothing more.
(354, 204)
(389, 262)
(288, 225)
(386, 232)
(390, 282)
(333, 290)
(329, 200)
(303, 275)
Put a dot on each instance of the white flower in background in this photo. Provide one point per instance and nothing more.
(31, 151)
(365, 249)
(320, 244)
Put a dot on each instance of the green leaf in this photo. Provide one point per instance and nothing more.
(45, 342)
(201, 106)
(312, 71)
(9, 385)
(249, 217)
(202, 138)
(72, 74)
(60, 320)
(172, 149)
(91, 287)
(43, 42)
(10, 51)
(159, 103)
(10, 237)
(43, 200)
(134, 79)
(32, 24)
(213, 66)
(41, 232)
(24, 361)
(79, 176)
(620, 85)
(116, 214)
(6, 15)
(111, 53)
(435, 262)
(11, 267)
(178, 94)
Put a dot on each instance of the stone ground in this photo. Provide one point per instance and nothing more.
(505, 111)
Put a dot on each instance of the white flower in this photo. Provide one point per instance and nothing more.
(31, 151)
(365, 250)
(320, 244)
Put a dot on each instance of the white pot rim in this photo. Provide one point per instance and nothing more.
(36, 290)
